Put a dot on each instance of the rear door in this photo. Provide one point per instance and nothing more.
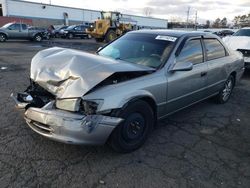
(24, 31)
(216, 58)
(187, 87)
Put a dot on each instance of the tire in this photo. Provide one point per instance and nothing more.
(226, 91)
(3, 37)
(89, 36)
(38, 38)
(70, 36)
(111, 35)
(57, 35)
(134, 130)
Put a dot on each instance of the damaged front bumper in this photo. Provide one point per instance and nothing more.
(68, 127)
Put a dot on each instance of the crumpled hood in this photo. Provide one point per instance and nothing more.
(70, 73)
(237, 42)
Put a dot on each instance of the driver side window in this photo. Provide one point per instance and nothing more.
(14, 27)
(191, 52)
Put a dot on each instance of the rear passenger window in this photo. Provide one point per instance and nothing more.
(24, 27)
(191, 52)
(214, 49)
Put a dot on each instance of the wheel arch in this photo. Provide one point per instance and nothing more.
(37, 33)
(110, 28)
(234, 74)
(146, 98)
(6, 34)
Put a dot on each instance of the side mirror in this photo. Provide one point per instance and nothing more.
(182, 66)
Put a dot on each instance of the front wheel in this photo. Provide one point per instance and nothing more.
(89, 36)
(226, 91)
(134, 130)
(2, 37)
(111, 35)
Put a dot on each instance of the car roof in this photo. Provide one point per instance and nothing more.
(174, 33)
(245, 28)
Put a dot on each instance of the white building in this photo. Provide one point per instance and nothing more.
(46, 14)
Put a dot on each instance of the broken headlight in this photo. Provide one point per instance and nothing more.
(68, 104)
(91, 106)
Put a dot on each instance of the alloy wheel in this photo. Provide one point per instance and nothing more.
(227, 89)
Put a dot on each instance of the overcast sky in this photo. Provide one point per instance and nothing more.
(167, 9)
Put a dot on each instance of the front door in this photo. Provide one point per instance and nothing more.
(14, 31)
(187, 87)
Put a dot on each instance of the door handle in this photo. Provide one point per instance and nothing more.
(203, 74)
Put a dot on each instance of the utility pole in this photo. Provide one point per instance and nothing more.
(195, 22)
(188, 11)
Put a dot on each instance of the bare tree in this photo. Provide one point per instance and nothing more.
(147, 11)
(223, 22)
(216, 23)
(207, 24)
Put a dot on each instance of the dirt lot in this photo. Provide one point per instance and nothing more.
(206, 145)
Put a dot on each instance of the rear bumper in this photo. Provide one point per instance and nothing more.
(68, 127)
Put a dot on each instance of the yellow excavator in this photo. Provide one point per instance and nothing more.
(109, 27)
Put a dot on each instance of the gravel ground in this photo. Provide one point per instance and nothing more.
(206, 145)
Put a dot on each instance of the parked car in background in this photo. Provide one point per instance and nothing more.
(224, 33)
(240, 41)
(118, 94)
(75, 31)
(59, 31)
(21, 31)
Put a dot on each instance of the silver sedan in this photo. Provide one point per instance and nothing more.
(118, 94)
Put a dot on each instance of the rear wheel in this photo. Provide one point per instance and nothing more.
(3, 37)
(70, 36)
(111, 35)
(226, 91)
(38, 38)
(134, 130)
(57, 35)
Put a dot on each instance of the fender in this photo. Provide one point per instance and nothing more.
(135, 96)
(33, 34)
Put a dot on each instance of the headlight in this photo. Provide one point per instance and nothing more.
(91, 106)
(65, 31)
(68, 104)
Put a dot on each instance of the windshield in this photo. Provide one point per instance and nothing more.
(106, 15)
(242, 32)
(145, 49)
(71, 27)
(7, 25)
